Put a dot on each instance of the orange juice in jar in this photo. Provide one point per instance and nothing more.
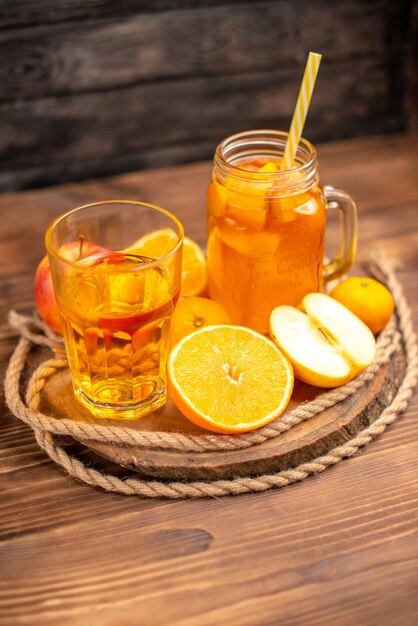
(266, 227)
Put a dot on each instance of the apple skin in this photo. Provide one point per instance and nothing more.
(46, 302)
(91, 253)
(45, 297)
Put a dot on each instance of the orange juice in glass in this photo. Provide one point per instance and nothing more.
(266, 227)
(116, 303)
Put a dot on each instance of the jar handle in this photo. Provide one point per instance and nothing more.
(338, 199)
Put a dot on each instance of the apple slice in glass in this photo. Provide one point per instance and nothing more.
(88, 254)
(84, 252)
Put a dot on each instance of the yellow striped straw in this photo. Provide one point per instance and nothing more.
(301, 109)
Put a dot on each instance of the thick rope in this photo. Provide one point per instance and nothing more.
(123, 435)
(134, 486)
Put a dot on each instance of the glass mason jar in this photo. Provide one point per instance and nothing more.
(266, 227)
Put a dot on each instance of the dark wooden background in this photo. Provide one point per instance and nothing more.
(94, 87)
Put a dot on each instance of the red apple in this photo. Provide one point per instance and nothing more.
(88, 254)
(45, 297)
(85, 253)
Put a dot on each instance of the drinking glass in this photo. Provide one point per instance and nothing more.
(266, 227)
(116, 295)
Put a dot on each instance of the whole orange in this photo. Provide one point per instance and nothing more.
(194, 313)
(371, 301)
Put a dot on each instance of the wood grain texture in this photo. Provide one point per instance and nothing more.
(338, 548)
(411, 69)
(45, 61)
(29, 12)
(85, 87)
(83, 131)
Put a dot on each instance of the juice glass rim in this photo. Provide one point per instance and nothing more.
(305, 148)
(54, 253)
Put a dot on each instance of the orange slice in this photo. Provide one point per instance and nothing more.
(247, 199)
(229, 379)
(194, 313)
(155, 244)
(217, 199)
(193, 270)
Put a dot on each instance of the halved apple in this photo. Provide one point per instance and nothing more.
(326, 343)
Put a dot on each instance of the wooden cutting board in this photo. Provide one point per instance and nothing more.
(302, 443)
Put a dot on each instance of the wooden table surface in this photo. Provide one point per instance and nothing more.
(338, 548)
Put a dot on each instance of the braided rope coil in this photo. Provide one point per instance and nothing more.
(45, 427)
(124, 435)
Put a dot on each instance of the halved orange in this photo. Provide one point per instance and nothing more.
(193, 270)
(229, 379)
